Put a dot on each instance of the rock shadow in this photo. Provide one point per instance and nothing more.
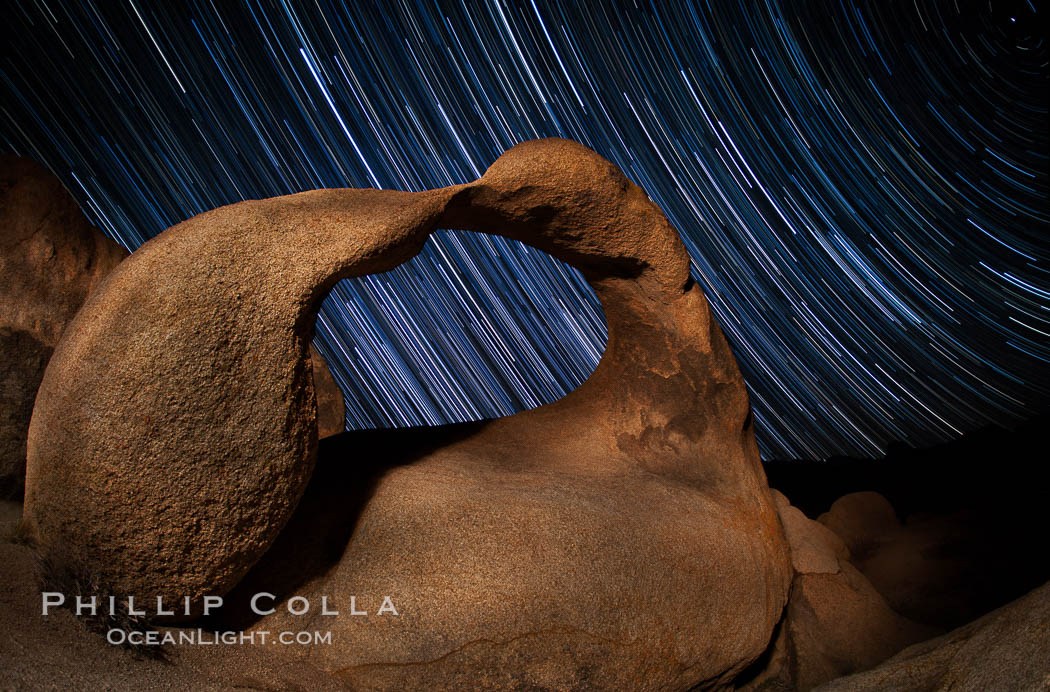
(348, 470)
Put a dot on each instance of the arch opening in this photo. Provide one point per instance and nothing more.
(474, 327)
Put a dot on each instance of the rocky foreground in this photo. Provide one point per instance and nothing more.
(838, 633)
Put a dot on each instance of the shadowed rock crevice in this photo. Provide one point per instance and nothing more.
(24, 358)
(348, 470)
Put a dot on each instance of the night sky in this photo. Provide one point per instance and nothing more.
(862, 186)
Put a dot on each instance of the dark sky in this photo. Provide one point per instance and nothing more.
(862, 186)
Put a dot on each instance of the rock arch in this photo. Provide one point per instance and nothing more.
(174, 431)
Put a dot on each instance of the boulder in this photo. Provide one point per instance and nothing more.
(836, 622)
(934, 569)
(623, 536)
(51, 258)
(815, 549)
(938, 569)
(862, 520)
(24, 359)
(10, 516)
(1007, 649)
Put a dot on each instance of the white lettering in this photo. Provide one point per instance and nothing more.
(298, 611)
(89, 605)
(131, 608)
(211, 602)
(160, 607)
(387, 607)
(255, 603)
(324, 607)
(52, 599)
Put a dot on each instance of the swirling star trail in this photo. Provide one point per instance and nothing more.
(862, 185)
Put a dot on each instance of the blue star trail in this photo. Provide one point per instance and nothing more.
(862, 185)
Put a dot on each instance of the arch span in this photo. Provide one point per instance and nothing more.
(174, 431)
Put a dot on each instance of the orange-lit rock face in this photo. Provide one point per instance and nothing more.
(51, 258)
(623, 536)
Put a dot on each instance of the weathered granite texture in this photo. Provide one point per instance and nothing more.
(331, 412)
(51, 258)
(623, 537)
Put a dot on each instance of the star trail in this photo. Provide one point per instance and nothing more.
(862, 186)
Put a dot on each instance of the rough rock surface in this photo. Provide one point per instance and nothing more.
(839, 624)
(835, 623)
(58, 652)
(815, 549)
(331, 411)
(51, 258)
(626, 529)
(963, 547)
(1008, 649)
